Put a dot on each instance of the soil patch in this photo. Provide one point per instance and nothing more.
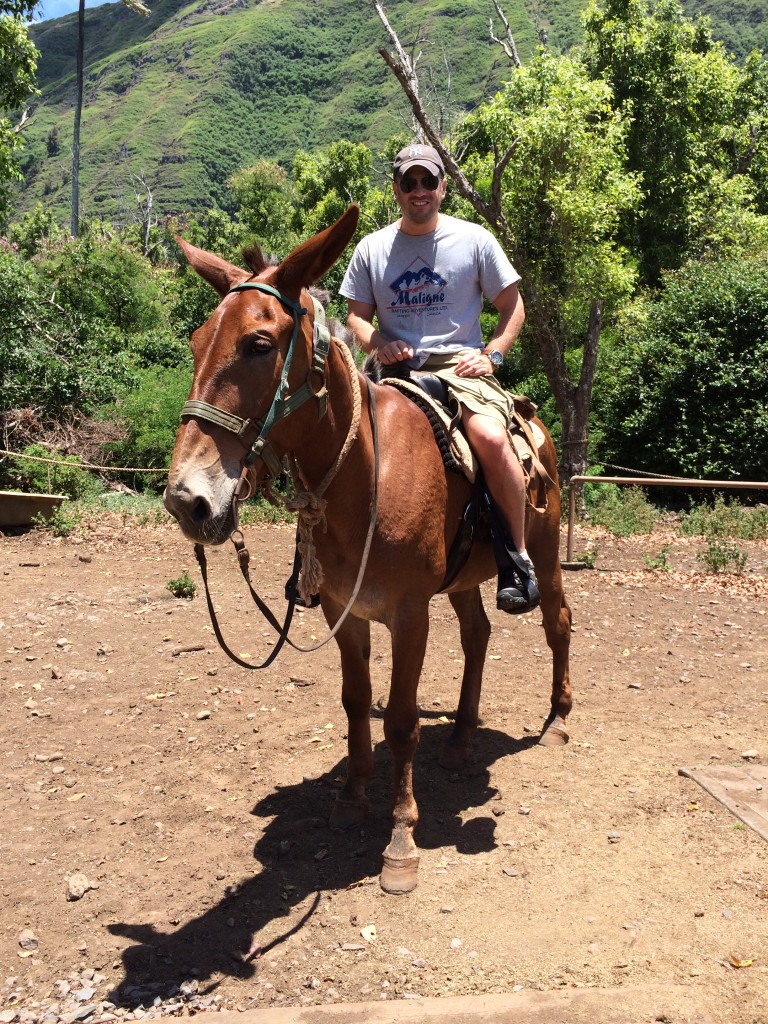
(188, 798)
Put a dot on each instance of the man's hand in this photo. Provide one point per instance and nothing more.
(369, 339)
(473, 363)
(393, 352)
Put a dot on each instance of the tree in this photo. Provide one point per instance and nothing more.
(266, 205)
(686, 389)
(326, 183)
(562, 195)
(135, 5)
(544, 168)
(706, 118)
(18, 62)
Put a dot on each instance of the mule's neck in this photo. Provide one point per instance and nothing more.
(339, 429)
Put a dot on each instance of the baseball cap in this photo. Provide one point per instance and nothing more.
(417, 155)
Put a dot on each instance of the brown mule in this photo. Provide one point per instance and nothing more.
(240, 354)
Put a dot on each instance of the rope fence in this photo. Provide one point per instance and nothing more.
(647, 481)
(80, 465)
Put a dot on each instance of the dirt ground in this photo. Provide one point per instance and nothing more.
(193, 795)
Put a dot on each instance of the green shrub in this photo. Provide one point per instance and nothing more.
(62, 522)
(150, 416)
(64, 477)
(624, 511)
(183, 586)
(722, 556)
(660, 562)
(258, 510)
(725, 518)
(589, 558)
(685, 392)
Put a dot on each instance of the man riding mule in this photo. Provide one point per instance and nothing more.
(268, 386)
(424, 279)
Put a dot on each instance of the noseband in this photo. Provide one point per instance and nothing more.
(282, 404)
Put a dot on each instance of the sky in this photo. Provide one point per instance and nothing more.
(58, 8)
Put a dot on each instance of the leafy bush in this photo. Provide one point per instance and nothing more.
(722, 556)
(686, 392)
(183, 586)
(660, 562)
(62, 522)
(725, 518)
(134, 509)
(65, 477)
(35, 341)
(150, 416)
(258, 510)
(623, 511)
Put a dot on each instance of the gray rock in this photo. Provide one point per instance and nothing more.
(77, 886)
(28, 939)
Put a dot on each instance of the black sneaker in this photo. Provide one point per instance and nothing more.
(518, 590)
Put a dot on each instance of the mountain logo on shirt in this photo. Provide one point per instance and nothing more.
(418, 286)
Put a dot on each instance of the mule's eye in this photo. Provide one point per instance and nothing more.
(256, 345)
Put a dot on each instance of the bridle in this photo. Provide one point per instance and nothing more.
(259, 448)
(282, 406)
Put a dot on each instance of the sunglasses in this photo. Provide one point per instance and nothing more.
(429, 182)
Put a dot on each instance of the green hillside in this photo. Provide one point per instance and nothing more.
(185, 98)
(195, 92)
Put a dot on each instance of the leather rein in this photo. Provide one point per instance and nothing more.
(253, 434)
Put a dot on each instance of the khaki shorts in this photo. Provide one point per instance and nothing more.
(483, 395)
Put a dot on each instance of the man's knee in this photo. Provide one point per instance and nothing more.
(485, 431)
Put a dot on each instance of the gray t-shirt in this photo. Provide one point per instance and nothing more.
(428, 290)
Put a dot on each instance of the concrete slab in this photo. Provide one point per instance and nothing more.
(743, 789)
(630, 1005)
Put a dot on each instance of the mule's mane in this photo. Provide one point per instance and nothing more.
(255, 260)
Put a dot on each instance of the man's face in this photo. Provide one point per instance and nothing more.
(419, 194)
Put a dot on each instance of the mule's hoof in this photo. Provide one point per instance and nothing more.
(399, 876)
(347, 814)
(555, 734)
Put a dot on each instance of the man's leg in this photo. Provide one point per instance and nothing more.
(518, 591)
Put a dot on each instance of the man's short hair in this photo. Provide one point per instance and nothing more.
(417, 155)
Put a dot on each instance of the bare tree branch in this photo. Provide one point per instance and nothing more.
(492, 214)
(498, 173)
(508, 45)
(24, 122)
(407, 65)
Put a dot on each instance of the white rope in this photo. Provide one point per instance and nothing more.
(81, 465)
(310, 505)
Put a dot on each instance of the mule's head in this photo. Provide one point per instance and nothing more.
(240, 354)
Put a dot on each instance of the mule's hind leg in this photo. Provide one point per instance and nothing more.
(409, 629)
(556, 615)
(354, 640)
(475, 631)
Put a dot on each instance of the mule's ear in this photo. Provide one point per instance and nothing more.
(217, 272)
(309, 261)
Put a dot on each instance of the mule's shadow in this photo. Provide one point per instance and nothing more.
(299, 858)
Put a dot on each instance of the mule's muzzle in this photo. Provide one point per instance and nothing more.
(196, 516)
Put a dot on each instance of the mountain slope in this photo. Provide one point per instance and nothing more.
(195, 92)
(199, 90)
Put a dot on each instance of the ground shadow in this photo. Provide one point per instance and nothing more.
(298, 858)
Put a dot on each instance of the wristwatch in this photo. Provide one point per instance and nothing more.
(496, 357)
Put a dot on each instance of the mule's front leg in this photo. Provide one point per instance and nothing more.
(354, 640)
(475, 633)
(401, 729)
